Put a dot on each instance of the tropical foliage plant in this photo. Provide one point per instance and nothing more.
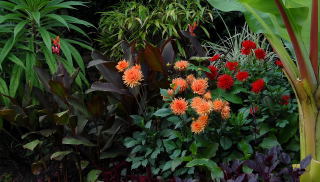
(29, 27)
(296, 25)
(150, 21)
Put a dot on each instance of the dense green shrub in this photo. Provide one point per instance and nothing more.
(29, 26)
(150, 21)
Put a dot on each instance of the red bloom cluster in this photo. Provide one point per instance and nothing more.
(242, 75)
(278, 63)
(285, 100)
(225, 82)
(232, 66)
(260, 53)
(56, 45)
(257, 86)
(247, 46)
(215, 57)
(213, 72)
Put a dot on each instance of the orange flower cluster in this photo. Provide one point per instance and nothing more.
(181, 65)
(200, 124)
(222, 107)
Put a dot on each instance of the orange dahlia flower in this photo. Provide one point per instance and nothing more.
(170, 93)
(179, 106)
(199, 86)
(133, 76)
(122, 65)
(201, 106)
(200, 124)
(179, 83)
(181, 65)
(217, 105)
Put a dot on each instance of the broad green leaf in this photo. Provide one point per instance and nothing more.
(32, 145)
(93, 175)
(225, 143)
(164, 112)
(77, 141)
(212, 166)
(15, 80)
(60, 155)
(227, 5)
(269, 142)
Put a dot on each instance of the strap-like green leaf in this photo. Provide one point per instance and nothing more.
(58, 18)
(76, 56)
(45, 37)
(16, 60)
(6, 49)
(15, 80)
(36, 16)
(4, 90)
(18, 28)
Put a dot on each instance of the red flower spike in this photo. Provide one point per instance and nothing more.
(242, 75)
(260, 53)
(56, 45)
(225, 82)
(215, 57)
(257, 86)
(232, 66)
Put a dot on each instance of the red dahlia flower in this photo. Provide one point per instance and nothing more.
(215, 57)
(278, 63)
(257, 86)
(225, 82)
(232, 65)
(260, 53)
(242, 75)
(285, 100)
(248, 44)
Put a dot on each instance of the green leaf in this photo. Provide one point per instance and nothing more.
(245, 147)
(5, 50)
(227, 5)
(232, 98)
(212, 166)
(32, 145)
(4, 90)
(77, 56)
(45, 37)
(93, 175)
(130, 142)
(164, 112)
(58, 18)
(77, 141)
(15, 80)
(225, 143)
(138, 120)
(36, 16)
(16, 60)
(18, 28)
(269, 142)
(169, 145)
(59, 155)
